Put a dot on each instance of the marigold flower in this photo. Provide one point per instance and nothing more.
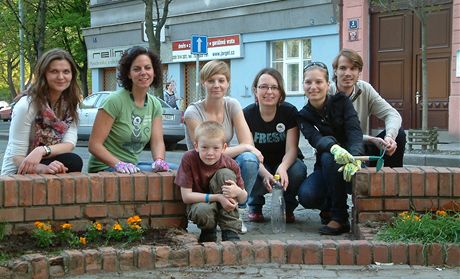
(441, 213)
(97, 226)
(136, 227)
(82, 240)
(134, 219)
(66, 226)
(404, 214)
(39, 225)
(117, 227)
(416, 218)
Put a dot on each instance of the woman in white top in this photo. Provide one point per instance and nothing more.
(43, 129)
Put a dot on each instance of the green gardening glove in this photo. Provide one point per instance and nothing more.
(350, 169)
(341, 156)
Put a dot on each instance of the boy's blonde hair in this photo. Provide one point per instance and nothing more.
(210, 130)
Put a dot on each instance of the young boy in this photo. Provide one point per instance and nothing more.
(211, 184)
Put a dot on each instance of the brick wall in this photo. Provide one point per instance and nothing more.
(378, 196)
(81, 198)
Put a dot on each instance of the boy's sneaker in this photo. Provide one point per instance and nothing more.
(243, 227)
(228, 235)
(208, 236)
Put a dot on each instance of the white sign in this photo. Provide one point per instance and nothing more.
(224, 47)
(105, 57)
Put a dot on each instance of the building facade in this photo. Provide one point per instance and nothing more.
(248, 34)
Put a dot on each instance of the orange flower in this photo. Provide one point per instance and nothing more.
(133, 220)
(82, 240)
(39, 225)
(136, 227)
(66, 226)
(404, 214)
(117, 227)
(441, 213)
(416, 218)
(97, 226)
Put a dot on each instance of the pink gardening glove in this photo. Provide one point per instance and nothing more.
(123, 167)
(159, 165)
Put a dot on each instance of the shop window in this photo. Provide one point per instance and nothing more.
(110, 79)
(289, 57)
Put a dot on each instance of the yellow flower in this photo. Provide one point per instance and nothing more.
(133, 220)
(66, 226)
(403, 214)
(47, 228)
(441, 213)
(117, 227)
(39, 225)
(82, 240)
(136, 227)
(97, 226)
(416, 218)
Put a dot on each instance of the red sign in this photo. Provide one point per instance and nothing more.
(223, 41)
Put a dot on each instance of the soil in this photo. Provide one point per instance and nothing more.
(14, 246)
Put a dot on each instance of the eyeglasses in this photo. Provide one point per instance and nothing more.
(265, 88)
(136, 49)
(318, 64)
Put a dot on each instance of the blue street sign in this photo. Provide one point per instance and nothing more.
(199, 44)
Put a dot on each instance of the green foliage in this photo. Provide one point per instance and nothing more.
(94, 232)
(428, 228)
(44, 234)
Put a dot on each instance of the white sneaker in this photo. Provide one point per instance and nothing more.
(243, 227)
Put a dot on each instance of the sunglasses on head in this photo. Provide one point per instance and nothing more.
(318, 64)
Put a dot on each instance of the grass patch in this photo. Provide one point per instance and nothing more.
(439, 227)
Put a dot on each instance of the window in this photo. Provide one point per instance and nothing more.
(289, 57)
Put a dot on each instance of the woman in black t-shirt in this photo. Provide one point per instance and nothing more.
(274, 129)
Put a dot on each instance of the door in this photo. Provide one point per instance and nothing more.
(396, 64)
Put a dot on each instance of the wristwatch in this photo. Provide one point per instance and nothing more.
(47, 150)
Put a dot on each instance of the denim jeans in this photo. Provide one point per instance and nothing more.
(325, 189)
(296, 175)
(249, 165)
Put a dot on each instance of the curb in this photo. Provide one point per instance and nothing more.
(308, 252)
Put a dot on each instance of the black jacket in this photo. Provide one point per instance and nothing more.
(336, 123)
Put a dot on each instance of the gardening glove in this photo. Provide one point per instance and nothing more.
(349, 169)
(123, 167)
(159, 165)
(341, 156)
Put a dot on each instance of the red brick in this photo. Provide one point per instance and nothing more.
(212, 254)
(20, 267)
(445, 182)
(143, 209)
(453, 255)
(56, 267)
(330, 252)
(76, 262)
(162, 256)
(38, 190)
(54, 190)
(11, 192)
(156, 209)
(425, 204)
(126, 260)
(417, 182)
(93, 261)
(116, 211)
(174, 208)
(39, 265)
(363, 252)
(397, 204)
(246, 255)
(178, 257)
(111, 193)
(196, 255)
(96, 187)
(375, 216)
(346, 255)
(403, 182)
(2, 181)
(11, 215)
(140, 187)
(38, 213)
(168, 222)
(229, 253)
(390, 182)
(167, 187)
(126, 187)
(361, 183)
(82, 194)
(375, 204)
(456, 181)
(313, 252)
(381, 252)
(109, 259)
(399, 254)
(434, 254)
(95, 211)
(154, 187)
(294, 252)
(277, 251)
(448, 204)
(416, 254)
(431, 184)
(25, 190)
(68, 188)
(67, 212)
(261, 251)
(376, 184)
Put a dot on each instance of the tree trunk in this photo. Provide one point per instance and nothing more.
(9, 71)
(40, 28)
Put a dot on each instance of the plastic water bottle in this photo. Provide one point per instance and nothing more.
(278, 217)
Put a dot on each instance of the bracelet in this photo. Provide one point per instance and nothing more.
(47, 150)
(206, 198)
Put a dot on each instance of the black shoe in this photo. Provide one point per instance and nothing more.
(325, 217)
(228, 235)
(208, 236)
(344, 228)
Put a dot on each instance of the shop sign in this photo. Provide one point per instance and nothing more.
(224, 47)
(105, 57)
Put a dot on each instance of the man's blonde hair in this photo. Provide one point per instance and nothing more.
(210, 130)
